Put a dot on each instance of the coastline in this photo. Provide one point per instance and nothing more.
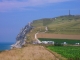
(4, 46)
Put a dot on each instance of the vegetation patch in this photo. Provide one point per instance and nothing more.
(69, 52)
(68, 41)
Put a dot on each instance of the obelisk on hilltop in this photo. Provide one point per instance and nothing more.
(69, 13)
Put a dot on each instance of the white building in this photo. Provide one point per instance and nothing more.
(47, 42)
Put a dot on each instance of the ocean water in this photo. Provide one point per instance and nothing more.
(5, 46)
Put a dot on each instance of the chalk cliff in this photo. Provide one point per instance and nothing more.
(21, 37)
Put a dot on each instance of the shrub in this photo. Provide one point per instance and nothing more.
(58, 44)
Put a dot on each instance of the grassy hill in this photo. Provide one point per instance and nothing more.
(68, 24)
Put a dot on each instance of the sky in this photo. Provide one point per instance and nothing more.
(15, 14)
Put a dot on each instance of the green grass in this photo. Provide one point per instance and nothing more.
(65, 27)
(62, 24)
(69, 52)
(69, 41)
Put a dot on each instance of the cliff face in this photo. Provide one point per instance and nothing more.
(21, 37)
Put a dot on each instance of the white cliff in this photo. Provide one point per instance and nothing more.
(21, 37)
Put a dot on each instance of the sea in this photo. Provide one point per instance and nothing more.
(5, 46)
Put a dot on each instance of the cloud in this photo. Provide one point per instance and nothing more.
(10, 5)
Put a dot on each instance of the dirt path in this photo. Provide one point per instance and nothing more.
(37, 38)
(60, 36)
(30, 52)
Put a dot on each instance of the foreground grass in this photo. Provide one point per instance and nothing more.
(69, 52)
(31, 52)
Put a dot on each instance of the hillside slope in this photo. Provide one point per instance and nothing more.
(31, 52)
(68, 24)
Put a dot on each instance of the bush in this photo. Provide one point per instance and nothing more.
(58, 44)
